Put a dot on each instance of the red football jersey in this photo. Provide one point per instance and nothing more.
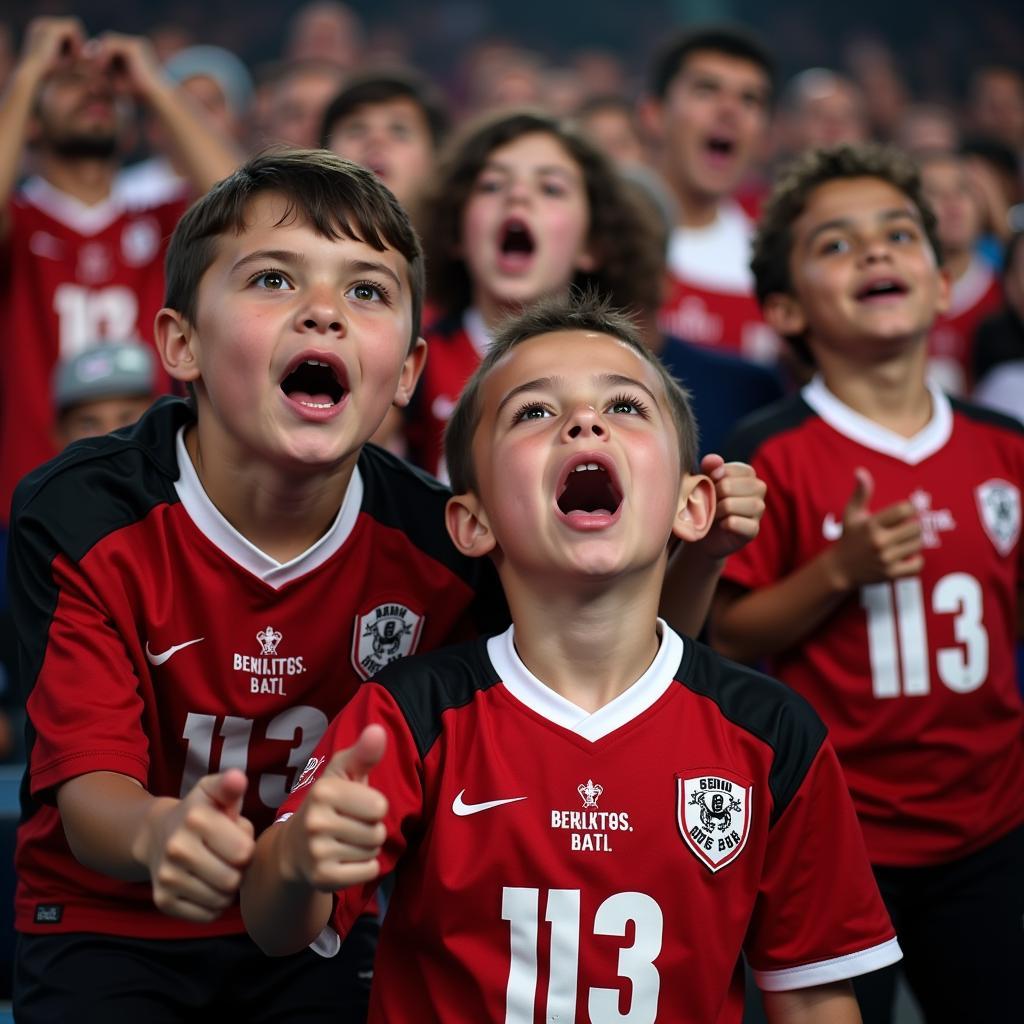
(915, 679)
(951, 343)
(159, 644)
(709, 298)
(558, 865)
(70, 275)
(455, 347)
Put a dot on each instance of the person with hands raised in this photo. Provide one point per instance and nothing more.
(885, 582)
(79, 263)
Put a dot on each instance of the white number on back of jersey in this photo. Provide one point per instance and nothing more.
(898, 635)
(89, 315)
(301, 726)
(521, 907)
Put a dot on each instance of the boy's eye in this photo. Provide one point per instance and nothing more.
(272, 281)
(834, 245)
(902, 235)
(489, 184)
(530, 411)
(628, 405)
(553, 188)
(366, 291)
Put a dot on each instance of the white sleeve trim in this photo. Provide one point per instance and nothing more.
(327, 943)
(824, 971)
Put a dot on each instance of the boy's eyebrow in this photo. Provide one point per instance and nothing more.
(546, 383)
(843, 223)
(503, 168)
(287, 256)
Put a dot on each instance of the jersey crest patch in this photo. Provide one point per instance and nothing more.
(713, 811)
(383, 635)
(999, 511)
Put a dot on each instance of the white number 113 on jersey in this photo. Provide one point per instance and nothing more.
(521, 908)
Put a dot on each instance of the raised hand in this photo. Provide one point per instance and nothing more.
(51, 43)
(197, 848)
(739, 494)
(333, 840)
(130, 61)
(875, 546)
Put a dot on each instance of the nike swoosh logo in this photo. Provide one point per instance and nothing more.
(462, 809)
(159, 659)
(831, 528)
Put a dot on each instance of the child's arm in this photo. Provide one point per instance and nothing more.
(693, 569)
(820, 1004)
(330, 842)
(874, 547)
(191, 850)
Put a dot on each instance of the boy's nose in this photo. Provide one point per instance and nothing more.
(321, 316)
(585, 420)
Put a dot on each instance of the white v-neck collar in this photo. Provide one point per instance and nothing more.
(476, 330)
(82, 217)
(911, 450)
(212, 524)
(529, 690)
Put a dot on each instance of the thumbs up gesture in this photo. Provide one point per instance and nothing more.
(334, 838)
(196, 848)
(876, 546)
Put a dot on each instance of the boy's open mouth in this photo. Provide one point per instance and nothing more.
(313, 383)
(881, 288)
(589, 487)
(516, 238)
(720, 145)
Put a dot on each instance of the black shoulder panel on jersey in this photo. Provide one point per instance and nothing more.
(764, 707)
(424, 686)
(92, 489)
(100, 484)
(753, 430)
(406, 498)
(982, 414)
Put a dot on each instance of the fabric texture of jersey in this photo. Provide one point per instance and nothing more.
(71, 275)
(710, 295)
(455, 347)
(916, 678)
(157, 643)
(976, 295)
(606, 865)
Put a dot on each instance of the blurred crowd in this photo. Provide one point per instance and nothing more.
(105, 138)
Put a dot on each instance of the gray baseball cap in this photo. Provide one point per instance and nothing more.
(108, 370)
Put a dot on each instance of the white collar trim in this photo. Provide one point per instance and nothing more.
(212, 524)
(911, 450)
(475, 328)
(539, 697)
(85, 219)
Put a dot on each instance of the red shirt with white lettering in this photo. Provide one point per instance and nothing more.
(915, 679)
(156, 642)
(71, 275)
(556, 864)
(710, 295)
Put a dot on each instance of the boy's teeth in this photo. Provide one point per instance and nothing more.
(314, 362)
(583, 467)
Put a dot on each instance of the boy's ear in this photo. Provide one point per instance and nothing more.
(411, 370)
(468, 526)
(696, 513)
(784, 314)
(174, 339)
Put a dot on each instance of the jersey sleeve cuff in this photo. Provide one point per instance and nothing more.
(327, 943)
(822, 972)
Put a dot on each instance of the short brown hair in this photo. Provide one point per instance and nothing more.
(337, 197)
(577, 312)
(773, 241)
(627, 265)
